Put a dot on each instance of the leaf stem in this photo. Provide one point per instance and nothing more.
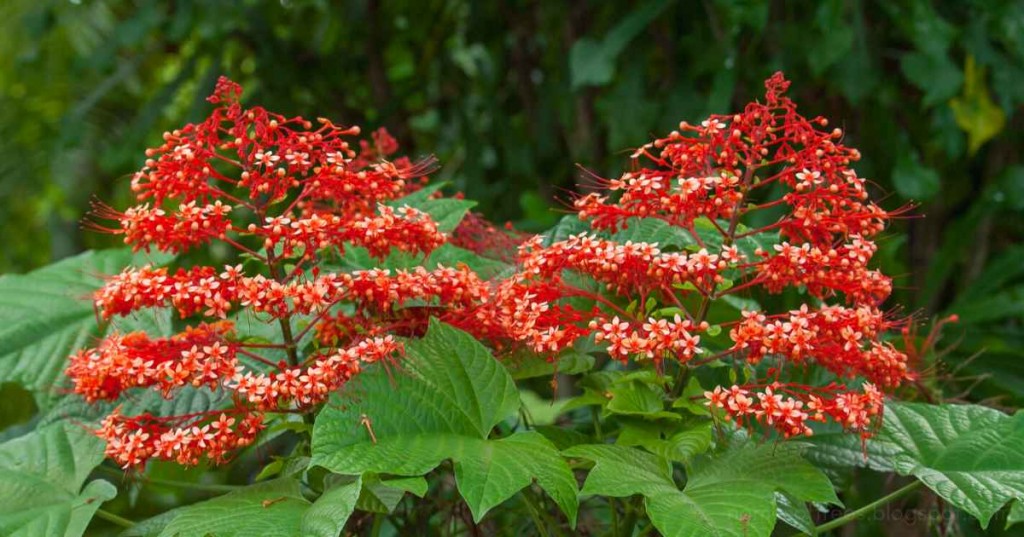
(857, 513)
(614, 508)
(115, 519)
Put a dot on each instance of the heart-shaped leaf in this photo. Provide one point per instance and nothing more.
(441, 404)
(41, 491)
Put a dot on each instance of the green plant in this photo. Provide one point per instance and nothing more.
(341, 375)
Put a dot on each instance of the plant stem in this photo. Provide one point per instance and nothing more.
(629, 523)
(727, 240)
(115, 519)
(286, 325)
(534, 509)
(857, 513)
(286, 321)
(378, 521)
(614, 508)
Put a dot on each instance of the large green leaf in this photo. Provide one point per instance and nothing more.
(442, 404)
(732, 495)
(47, 314)
(970, 455)
(41, 490)
(273, 508)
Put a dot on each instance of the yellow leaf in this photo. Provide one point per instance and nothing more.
(974, 110)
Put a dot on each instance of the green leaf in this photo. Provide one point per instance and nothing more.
(47, 314)
(1001, 270)
(654, 230)
(272, 509)
(151, 527)
(692, 398)
(449, 255)
(914, 180)
(447, 212)
(934, 74)
(566, 227)
(530, 365)
(383, 495)
(969, 455)
(632, 398)
(685, 445)
(537, 209)
(628, 112)
(328, 514)
(621, 471)
(592, 62)
(713, 239)
(498, 469)
(840, 449)
(1016, 514)
(187, 400)
(18, 405)
(671, 440)
(836, 36)
(794, 512)
(731, 495)
(41, 491)
(442, 405)
(1007, 303)
(541, 411)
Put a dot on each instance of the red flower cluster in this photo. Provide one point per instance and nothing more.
(132, 441)
(789, 411)
(203, 291)
(281, 194)
(198, 356)
(704, 182)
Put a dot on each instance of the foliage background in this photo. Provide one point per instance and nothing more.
(510, 95)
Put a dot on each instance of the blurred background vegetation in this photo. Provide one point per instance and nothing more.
(510, 95)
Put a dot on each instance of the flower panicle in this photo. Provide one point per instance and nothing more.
(697, 187)
(284, 195)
